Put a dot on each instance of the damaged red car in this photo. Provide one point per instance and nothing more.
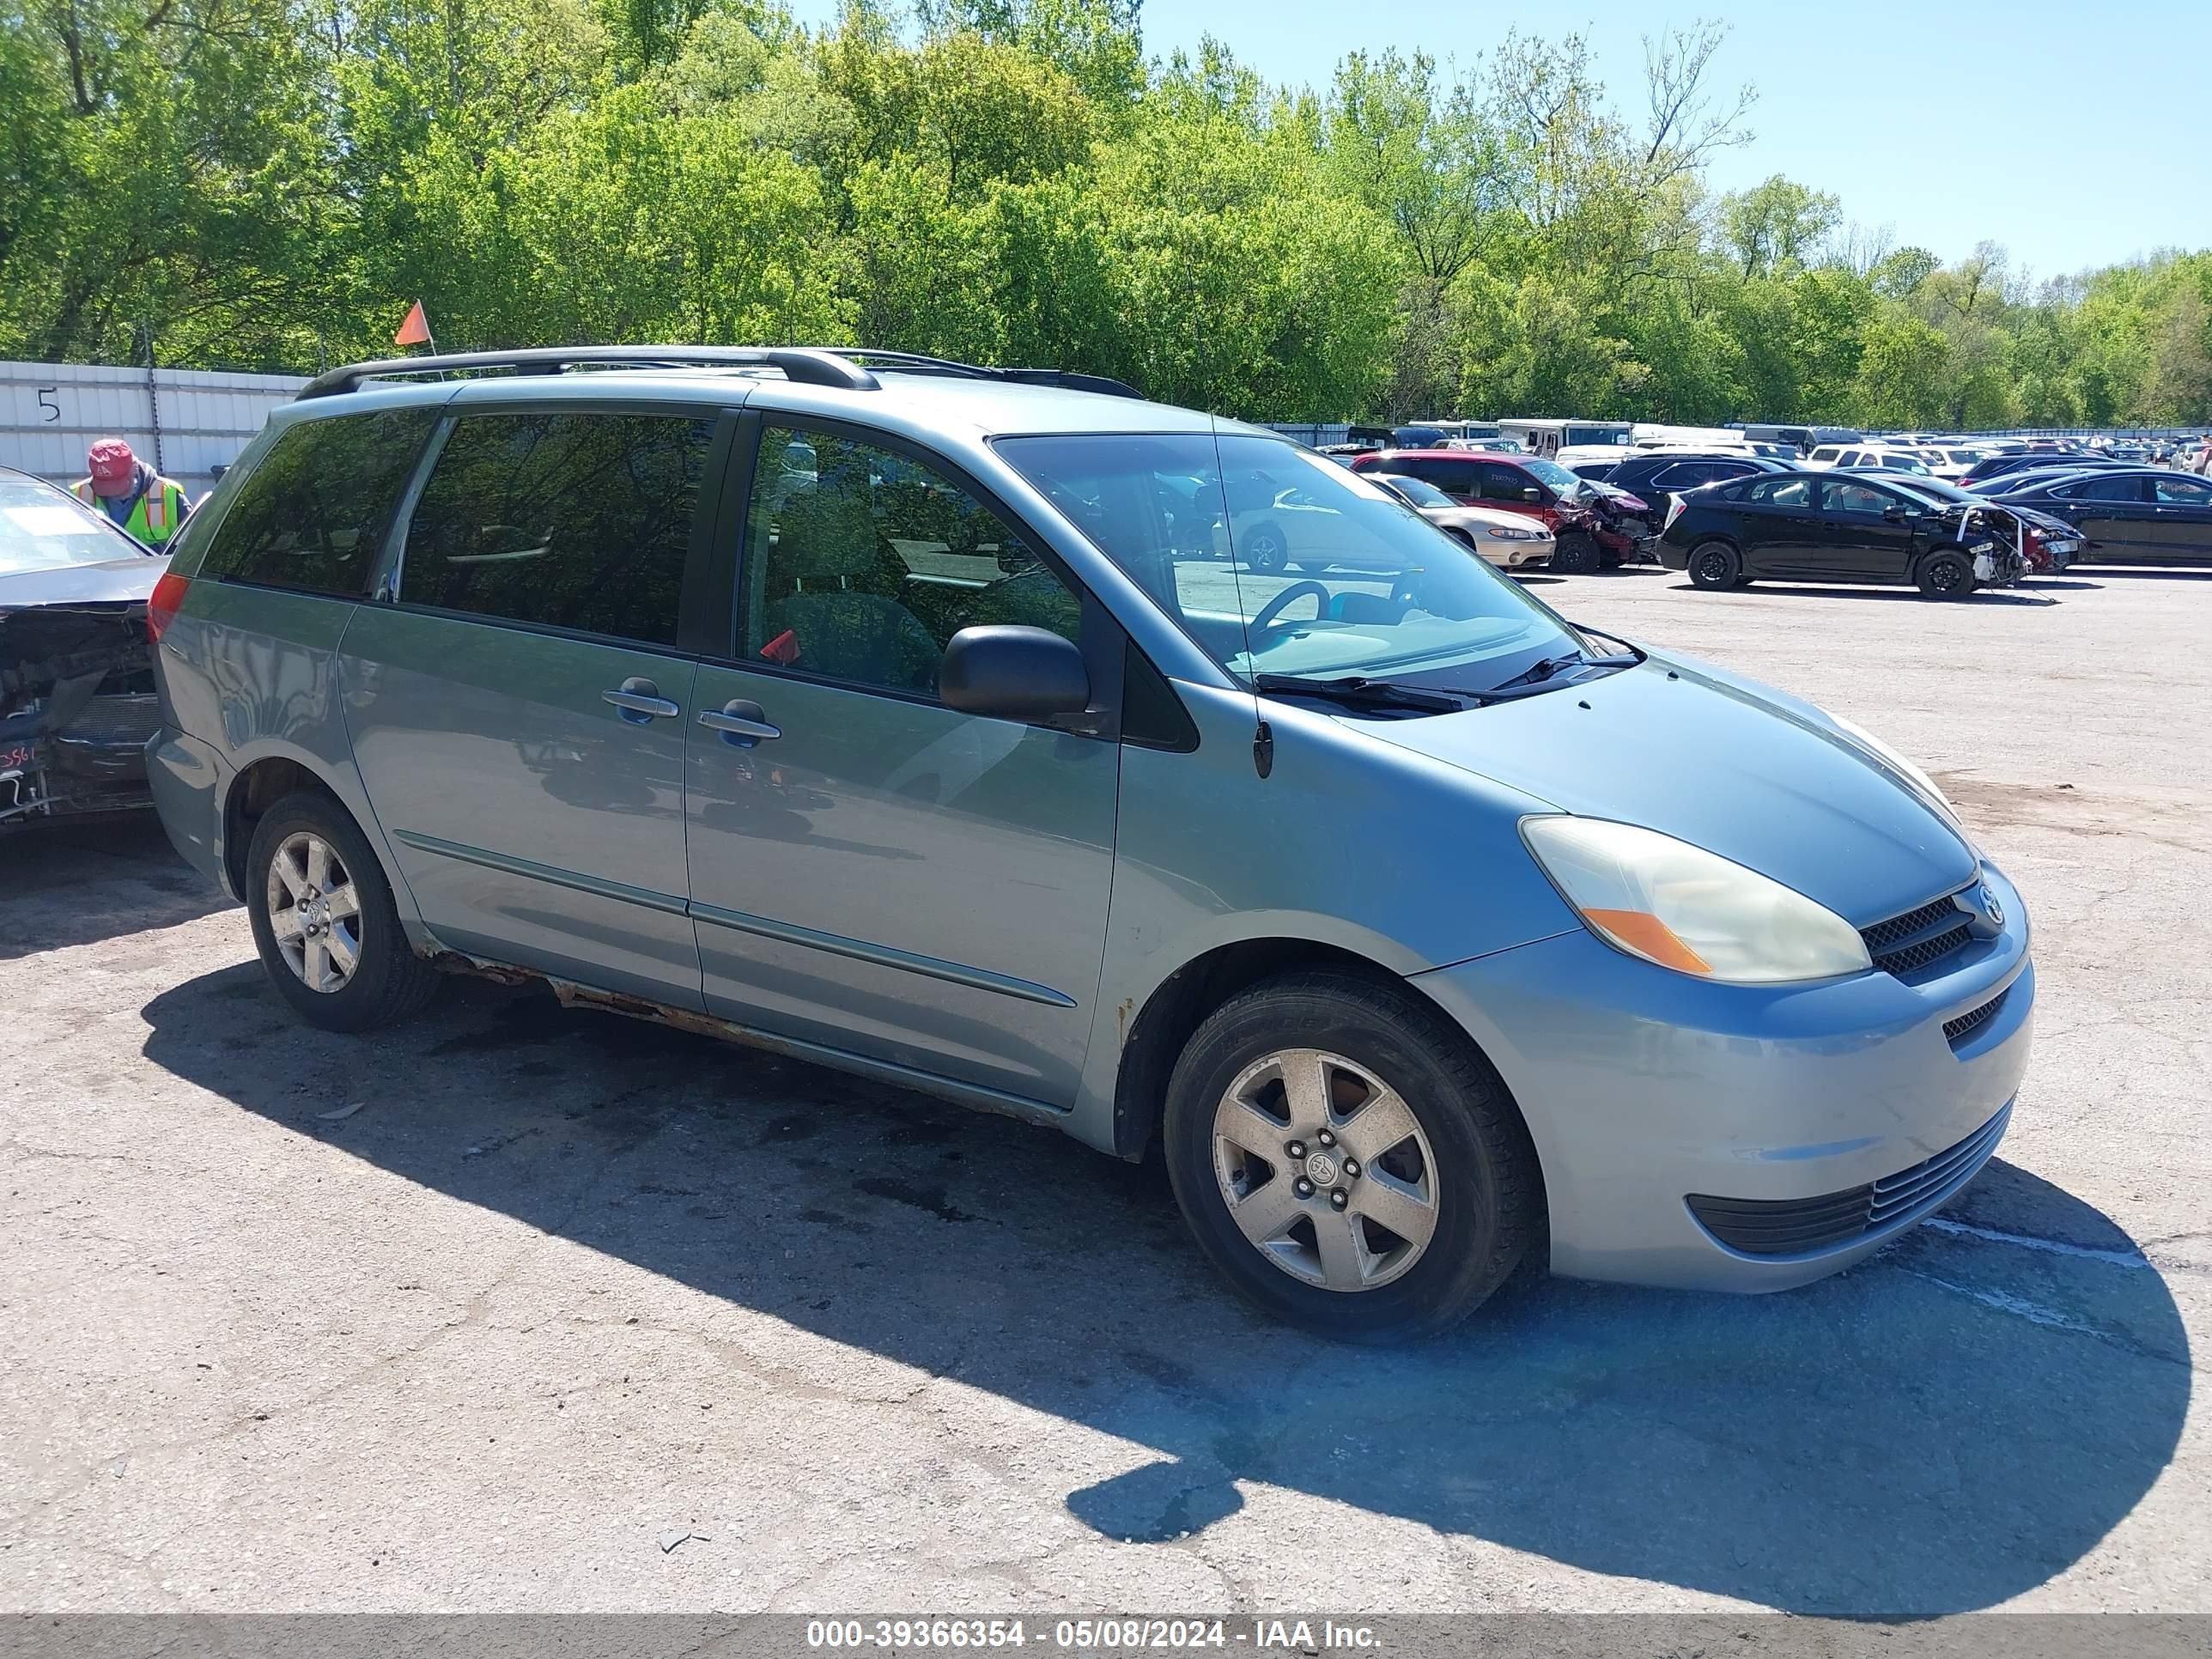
(76, 686)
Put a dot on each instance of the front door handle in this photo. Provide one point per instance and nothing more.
(741, 724)
(639, 702)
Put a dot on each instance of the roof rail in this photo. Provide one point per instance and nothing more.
(811, 366)
(841, 367)
(915, 363)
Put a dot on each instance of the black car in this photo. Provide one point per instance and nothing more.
(2129, 515)
(1653, 474)
(76, 689)
(1990, 465)
(1829, 526)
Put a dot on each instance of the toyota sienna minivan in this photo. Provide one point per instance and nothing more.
(912, 717)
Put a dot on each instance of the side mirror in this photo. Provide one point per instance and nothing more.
(1532, 493)
(1894, 515)
(1013, 673)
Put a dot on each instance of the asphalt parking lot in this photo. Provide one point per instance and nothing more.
(524, 1309)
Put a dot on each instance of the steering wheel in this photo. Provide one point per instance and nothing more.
(1282, 602)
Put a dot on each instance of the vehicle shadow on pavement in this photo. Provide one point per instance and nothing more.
(1948, 1425)
(81, 881)
(1884, 595)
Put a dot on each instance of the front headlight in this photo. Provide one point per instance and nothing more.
(1917, 780)
(1506, 533)
(1688, 909)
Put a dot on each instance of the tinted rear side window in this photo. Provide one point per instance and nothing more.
(313, 513)
(569, 521)
(1453, 477)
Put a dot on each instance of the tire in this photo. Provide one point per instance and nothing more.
(1264, 547)
(1576, 554)
(1467, 1153)
(1945, 576)
(1714, 566)
(388, 981)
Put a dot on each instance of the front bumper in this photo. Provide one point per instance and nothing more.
(1642, 1087)
(1516, 555)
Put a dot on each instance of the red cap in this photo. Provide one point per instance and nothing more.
(112, 464)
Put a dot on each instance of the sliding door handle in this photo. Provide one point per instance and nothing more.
(741, 724)
(639, 702)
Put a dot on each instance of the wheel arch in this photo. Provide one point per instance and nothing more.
(1161, 1029)
(278, 770)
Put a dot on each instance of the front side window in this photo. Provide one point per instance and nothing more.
(1825, 453)
(313, 514)
(2182, 492)
(1328, 576)
(862, 564)
(576, 521)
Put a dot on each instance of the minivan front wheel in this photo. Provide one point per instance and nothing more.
(324, 920)
(1348, 1159)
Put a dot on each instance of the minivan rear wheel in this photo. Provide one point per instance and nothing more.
(323, 922)
(1347, 1159)
(1714, 566)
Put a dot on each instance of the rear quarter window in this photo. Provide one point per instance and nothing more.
(313, 514)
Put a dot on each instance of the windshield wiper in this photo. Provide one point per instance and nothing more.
(1356, 692)
(1539, 674)
(1630, 653)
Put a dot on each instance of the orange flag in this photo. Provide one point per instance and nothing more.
(416, 330)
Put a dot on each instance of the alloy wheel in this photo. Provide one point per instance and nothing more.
(314, 914)
(1325, 1170)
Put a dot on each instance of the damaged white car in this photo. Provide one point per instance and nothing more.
(76, 689)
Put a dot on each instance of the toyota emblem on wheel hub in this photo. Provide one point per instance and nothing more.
(1321, 1169)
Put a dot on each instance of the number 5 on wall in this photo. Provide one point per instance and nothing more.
(53, 411)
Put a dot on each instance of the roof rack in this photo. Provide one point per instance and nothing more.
(841, 367)
(809, 366)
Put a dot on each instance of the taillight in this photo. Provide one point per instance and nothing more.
(168, 599)
(1674, 505)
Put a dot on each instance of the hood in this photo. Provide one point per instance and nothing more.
(117, 581)
(1722, 763)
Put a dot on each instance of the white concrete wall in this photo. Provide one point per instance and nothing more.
(50, 413)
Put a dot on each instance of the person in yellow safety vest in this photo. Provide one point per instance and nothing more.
(148, 506)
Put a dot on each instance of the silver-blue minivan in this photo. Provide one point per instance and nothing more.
(927, 720)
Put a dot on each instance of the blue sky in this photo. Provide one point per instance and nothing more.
(2075, 135)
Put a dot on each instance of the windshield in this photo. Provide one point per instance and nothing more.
(1420, 494)
(41, 529)
(1276, 562)
(1551, 473)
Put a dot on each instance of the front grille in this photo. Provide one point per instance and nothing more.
(1793, 1226)
(1918, 939)
(1972, 1020)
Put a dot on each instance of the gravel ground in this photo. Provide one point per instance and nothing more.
(564, 1288)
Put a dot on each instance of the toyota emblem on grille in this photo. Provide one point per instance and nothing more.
(1984, 915)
